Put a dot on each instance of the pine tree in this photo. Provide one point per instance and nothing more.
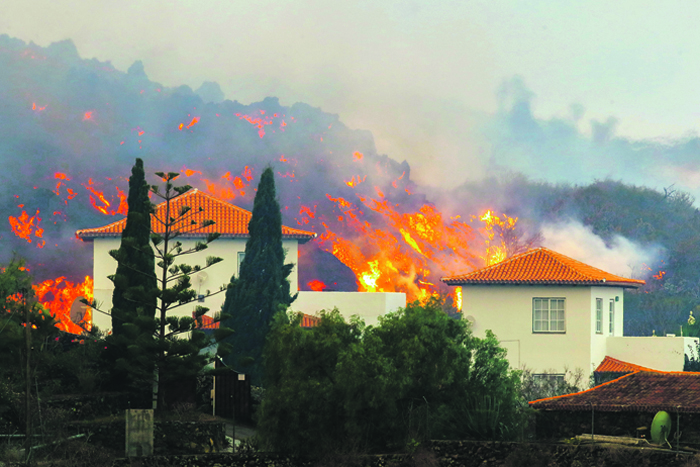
(262, 288)
(129, 352)
(149, 349)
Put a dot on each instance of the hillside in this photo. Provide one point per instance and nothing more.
(71, 128)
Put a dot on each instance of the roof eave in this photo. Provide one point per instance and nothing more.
(631, 285)
(303, 238)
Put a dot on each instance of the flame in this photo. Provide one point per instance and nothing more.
(355, 180)
(24, 227)
(192, 123)
(495, 253)
(57, 296)
(88, 115)
(224, 190)
(408, 254)
(190, 172)
(458, 298)
(357, 156)
(122, 208)
(317, 286)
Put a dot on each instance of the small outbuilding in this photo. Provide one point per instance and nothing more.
(625, 407)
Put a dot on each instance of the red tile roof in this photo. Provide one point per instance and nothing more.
(230, 220)
(307, 321)
(541, 266)
(641, 391)
(207, 322)
(613, 365)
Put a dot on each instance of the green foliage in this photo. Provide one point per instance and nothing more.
(262, 288)
(549, 384)
(129, 349)
(153, 349)
(19, 310)
(416, 375)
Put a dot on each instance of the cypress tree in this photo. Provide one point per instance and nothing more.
(262, 287)
(135, 291)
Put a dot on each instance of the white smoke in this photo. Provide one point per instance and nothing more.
(619, 256)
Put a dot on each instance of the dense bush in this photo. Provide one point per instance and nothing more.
(416, 375)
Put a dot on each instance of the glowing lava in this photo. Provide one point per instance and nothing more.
(24, 227)
(58, 295)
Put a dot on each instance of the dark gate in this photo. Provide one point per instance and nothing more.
(231, 394)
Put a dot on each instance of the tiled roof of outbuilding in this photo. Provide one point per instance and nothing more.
(541, 266)
(230, 220)
(613, 365)
(641, 391)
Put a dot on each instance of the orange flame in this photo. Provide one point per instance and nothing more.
(402, 256)
(122, 208)
(58, 295)
(317, 286)
(24, 227)
(495, 253)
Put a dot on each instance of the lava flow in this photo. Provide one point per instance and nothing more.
(58, 296)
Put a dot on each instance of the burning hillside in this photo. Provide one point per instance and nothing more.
(72, 128)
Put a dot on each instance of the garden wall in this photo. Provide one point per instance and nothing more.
(445, 453)
(170, 437)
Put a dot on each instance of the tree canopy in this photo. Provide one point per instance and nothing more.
(419, 374)
(261, 288)
(155, 349)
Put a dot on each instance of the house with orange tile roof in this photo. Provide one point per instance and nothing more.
(553, 312)
(232, 223)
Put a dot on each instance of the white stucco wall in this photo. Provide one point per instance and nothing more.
(367, 305)
(657, 353)
(217, 275)
(507, 311)
(598, 341)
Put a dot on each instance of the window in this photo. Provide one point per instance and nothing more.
(548, 315)
(551, 379)
(599, 316)
(612, 317)
(241, 255)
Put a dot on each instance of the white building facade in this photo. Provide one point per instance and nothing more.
(549, 311)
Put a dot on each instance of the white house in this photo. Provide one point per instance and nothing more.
(232, 223)
(550, 311)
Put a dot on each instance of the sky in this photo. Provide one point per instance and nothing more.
(423, 76)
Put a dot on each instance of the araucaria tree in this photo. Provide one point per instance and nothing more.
(177, 358)
(151, 346)
(262, 287)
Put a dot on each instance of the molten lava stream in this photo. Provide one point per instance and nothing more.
(57, 296)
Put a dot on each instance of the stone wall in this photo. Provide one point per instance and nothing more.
(446, 453)
(169, 437)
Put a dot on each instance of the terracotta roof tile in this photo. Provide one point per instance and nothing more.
(641, 391)
(541, 266)
(613, 365)
(307, 321)
(230, 220)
